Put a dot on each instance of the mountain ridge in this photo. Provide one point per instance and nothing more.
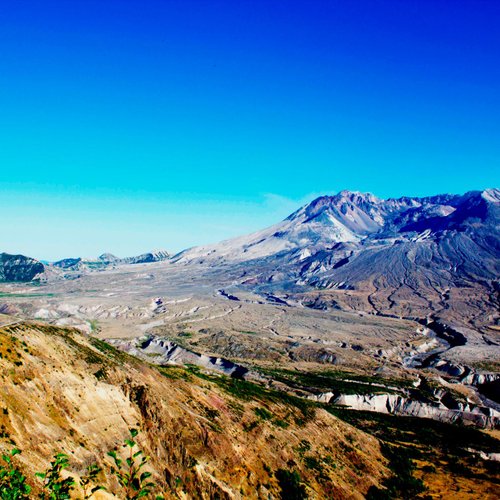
(408, 256)
(348, 216)
(108, 259)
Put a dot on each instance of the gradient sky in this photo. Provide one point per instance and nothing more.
(132, 125)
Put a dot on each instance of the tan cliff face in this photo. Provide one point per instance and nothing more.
(61, 391)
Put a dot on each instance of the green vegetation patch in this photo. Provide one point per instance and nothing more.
(94, 325)
(263, 413)
(339, 381)
(402, 484)
(174, 372)
(291, 485)
(111, 351)
(25, 295)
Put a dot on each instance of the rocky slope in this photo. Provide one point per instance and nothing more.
(154, 256)
(432, 401)
(448, 411)
(161, 351)
(211, 436)
(19, 268)
(207, 438)
(351, 217)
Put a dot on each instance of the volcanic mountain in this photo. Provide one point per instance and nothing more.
(406, 257)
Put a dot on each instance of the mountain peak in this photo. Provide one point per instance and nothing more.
(342, 200)
(355, 196)
(350, 217)
(492, 195)
(108, 257)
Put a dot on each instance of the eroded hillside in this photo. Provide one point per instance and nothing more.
(61, 391)
(211, 436)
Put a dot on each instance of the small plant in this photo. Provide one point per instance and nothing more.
(55, 487)
(250, 426)
(312, 463)
(12, 482)
(128, 472)
(88, 481)
(278, 422)
(304, 446)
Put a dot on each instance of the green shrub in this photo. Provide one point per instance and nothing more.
(12, 482)
(135, 483)
(88, 481)
(54, 486)
(128, 471)
(263, 413)
(402, 484)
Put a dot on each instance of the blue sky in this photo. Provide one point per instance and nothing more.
(127, 125)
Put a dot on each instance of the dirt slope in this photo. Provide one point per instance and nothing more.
(62, 391)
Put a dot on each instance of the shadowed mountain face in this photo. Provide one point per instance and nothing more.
(405, 256)
(19, 268)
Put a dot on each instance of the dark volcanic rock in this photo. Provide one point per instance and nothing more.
(19, 268)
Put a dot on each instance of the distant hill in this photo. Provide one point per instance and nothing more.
(19, 268)
(107, 259)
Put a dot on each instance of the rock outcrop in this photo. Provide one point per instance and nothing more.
(463, 413)
(106, 260)
(161, 351)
